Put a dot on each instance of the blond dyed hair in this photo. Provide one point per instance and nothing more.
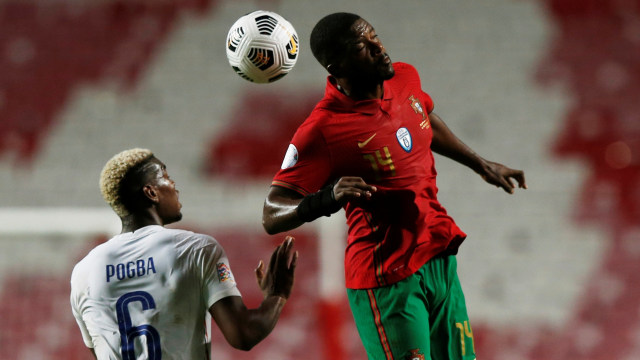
(114, 171)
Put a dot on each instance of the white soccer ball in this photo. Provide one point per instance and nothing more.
(262, 46)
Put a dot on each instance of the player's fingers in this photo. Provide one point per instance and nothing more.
(354, 193)
(281, 254)
(350, 179)
(286, 246)
(355, 182)
(505, 185)
(260, 272)
(365, 187)
(518, 176)
(294, 262)
(289, 251)
(288, 241)
(274, 259)
(520, 179)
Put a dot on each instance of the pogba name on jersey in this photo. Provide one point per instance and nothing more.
(130, 269)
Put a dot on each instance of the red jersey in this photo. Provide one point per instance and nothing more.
(387, 142)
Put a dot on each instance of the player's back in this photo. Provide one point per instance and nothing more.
(146, 293)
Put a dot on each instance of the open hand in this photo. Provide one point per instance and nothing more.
(279, 275)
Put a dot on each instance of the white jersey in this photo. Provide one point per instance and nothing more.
(146, 294)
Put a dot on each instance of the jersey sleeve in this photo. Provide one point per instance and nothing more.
(76, 299)
(428, 102)
(412, 78)
(307, 164)
(216, 276)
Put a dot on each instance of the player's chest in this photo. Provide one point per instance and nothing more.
(387, 140)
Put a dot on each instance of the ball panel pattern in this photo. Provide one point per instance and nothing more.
(262, 47)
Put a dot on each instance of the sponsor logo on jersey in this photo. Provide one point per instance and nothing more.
(415, 354)
(364, 143)
(417, 107)
(404, 138)
(224, 273)
(290, 158)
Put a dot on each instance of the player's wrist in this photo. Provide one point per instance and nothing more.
(479, 165)
(276, 291)
(321, 203)
(279, 298)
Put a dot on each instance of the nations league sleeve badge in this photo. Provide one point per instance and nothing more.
(224, 273)
(290, 158)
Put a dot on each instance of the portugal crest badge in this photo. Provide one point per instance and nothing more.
(417, 107)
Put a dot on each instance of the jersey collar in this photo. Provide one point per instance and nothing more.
(369, 107)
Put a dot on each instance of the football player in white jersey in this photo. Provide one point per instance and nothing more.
(148, 292)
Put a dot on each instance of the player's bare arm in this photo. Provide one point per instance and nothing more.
(244, 328)
(447, 144)
(279, 211)
(286, 209)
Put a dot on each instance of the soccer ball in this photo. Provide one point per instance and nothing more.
(262, 46)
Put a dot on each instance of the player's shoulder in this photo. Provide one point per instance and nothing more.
(178, 235)
(331, 109)
(405, 70)
(314, 124)
(193, 240)
(93, 254)
(97, 254)
(83, 267)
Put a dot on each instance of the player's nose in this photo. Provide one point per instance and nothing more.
(377, 48)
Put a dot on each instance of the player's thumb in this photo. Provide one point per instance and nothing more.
(259, 272)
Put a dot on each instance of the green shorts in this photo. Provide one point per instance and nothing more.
(423, 317)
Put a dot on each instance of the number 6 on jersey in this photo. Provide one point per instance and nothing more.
(128, 332)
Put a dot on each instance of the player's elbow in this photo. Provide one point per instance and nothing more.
(247, 338)
(276, 227)
(269, 222)
(244, 345)
(269, 227)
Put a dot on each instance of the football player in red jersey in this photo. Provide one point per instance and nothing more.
(367, 147)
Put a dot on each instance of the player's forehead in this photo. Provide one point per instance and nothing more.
(156, 167)
(361, 28)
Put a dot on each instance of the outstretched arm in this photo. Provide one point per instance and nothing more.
(447, 144)
(244, 328)
(285, 209)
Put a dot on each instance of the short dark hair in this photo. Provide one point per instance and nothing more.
(327, 37)
(131, 195)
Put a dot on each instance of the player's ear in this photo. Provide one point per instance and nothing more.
(334, 70)
(150, 193)
(330, 68)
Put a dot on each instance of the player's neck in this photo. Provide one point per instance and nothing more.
(133, 222)
(360, 90)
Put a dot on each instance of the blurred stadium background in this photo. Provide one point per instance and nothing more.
(549, 86)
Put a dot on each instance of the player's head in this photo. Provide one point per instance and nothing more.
(348, 46)
(135, 181)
